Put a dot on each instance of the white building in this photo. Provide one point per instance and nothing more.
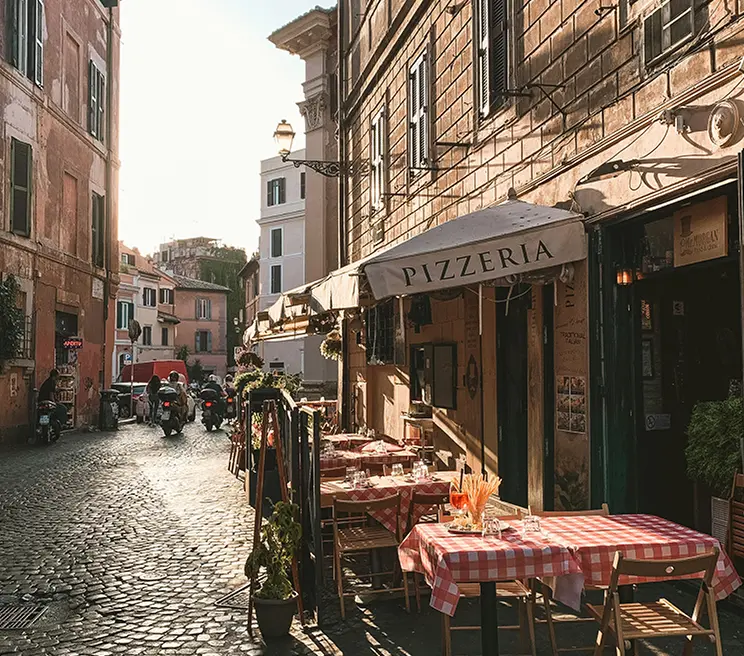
(282, 266)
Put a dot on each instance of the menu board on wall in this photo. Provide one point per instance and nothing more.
(571, 404)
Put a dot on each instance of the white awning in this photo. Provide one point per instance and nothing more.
(497, 242)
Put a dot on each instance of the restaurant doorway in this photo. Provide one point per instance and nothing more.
(512, 305)
(689, 329)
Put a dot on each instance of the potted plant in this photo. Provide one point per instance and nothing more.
(331, 347)
(276, 599)
(712, 453)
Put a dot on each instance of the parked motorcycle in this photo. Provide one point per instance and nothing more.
(48, 427)
(211, 411)
(170, 414)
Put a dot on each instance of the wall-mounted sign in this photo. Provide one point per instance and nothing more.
(73, 343)
(127, 358)
(701, 232)
(657, 422)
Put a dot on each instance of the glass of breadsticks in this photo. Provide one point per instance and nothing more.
(477, 489)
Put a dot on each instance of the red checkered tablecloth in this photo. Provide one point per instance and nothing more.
(362, 460)
(385, 486)
(446, 559)
(595, 539)
(569, 546)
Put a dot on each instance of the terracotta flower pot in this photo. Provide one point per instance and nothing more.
(275, 615)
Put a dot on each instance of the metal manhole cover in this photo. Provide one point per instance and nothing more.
(236, 599)
(19, 616)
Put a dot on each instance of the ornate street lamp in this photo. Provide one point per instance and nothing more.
(284, 136)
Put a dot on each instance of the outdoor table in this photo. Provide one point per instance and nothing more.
(348, 441)
(363, 460)
(385, 486)
(569, 550)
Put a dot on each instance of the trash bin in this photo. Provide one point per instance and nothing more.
(109, 409)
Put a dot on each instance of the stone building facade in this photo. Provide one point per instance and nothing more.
(622, 113)
(59, 94)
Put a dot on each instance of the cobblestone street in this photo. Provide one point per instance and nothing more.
(130, 538)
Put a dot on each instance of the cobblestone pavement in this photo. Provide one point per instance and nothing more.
(130, 538)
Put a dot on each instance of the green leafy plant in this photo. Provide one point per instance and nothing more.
(11, 321)
(257, 379)
(713, 436)
(195, 370)
(182, 353)
(280, 539)
(331, 346)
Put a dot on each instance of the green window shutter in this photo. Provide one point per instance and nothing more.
(499, 56)
(209, 342)
(39, 18)
(269, 195)
(131, 311)
(20, 182)
(119, 312)
(197, 342)
(196, 308)
(14, 35)
(92, 99)
(101, 105)
(282, 191)
(209, 309)
(23, 36)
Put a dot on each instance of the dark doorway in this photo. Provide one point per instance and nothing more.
(690, 337)
(511, 367)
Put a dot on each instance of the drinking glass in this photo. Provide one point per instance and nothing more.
(457, 500)
(530, 526)
(397, 469)
(490, 526)
(350, 472)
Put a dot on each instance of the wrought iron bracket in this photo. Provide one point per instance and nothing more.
(330, 168)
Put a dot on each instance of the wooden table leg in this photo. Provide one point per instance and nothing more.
(489, 619)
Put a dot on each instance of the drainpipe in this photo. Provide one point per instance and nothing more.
(340, 84)
(740, 195)
(107, 223)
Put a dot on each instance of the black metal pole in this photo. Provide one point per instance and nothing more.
(740, 194)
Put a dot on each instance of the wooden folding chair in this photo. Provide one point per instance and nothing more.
(603, 511)
(331, 474)
(365, 535)
(516, 591)
(736, 520)
(659, 619)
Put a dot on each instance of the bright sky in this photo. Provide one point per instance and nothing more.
(202, 91)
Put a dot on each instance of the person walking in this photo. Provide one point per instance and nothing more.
(153, 387)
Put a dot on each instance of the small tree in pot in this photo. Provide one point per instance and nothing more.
(712, 452)
(276, 600)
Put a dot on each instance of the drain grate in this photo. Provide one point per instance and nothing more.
(19, 616)
(236, 599)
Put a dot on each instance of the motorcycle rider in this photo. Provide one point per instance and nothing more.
(214, 385)
(48, 392)
(177, 385)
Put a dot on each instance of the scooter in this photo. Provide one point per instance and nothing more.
(231, 408)
(48, 428)
(211, 412)
(170, 414)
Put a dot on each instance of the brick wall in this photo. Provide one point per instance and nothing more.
(605, 89)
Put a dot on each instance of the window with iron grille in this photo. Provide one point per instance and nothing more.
(377, 168)
(276, 192)
(27, 21)
(96, 101)
(418, 115)
(492, 54)
(668, 27)
(380, 333)
(20, 187)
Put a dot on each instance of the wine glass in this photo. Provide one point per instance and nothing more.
(457, 499)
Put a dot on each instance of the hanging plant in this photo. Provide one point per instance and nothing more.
(11, 321)
(331, 347)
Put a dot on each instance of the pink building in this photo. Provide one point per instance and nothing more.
(201, 308)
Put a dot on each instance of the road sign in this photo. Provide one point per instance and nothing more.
(127, 358)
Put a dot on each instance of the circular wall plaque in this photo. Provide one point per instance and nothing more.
(723, 123)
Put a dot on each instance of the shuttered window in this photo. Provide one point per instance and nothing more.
(164, 337)
(38, 42)
(20, 183)
(492, 43)
(276, 192)
(96, 101)
(276, 279)
(147, 335)
(303, 190)
(166, 296)
(124, 314)
(203, 341)
(377, 170)
(203, 308)
(149, 297)
(668, 27)
(418, 119)
(277, 247)
(98, 230)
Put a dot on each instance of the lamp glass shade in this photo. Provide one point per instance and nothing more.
(284, 136)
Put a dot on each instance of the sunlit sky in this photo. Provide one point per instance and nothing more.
(202, 91)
